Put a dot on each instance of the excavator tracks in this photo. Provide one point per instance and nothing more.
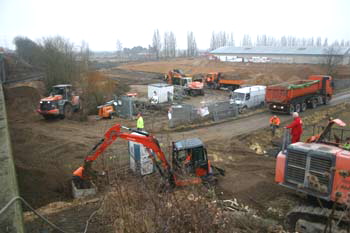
(305, 219)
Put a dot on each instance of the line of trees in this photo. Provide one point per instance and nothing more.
(162, 47)
(61, 60)
(166, 46)
(222, 38)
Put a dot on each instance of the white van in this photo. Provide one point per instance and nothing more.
(248, 97)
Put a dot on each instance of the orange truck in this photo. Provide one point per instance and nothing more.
(216, 80)
(299, 95)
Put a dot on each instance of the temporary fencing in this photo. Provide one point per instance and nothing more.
(188, 114)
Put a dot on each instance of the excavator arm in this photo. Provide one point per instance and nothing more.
(320, 137)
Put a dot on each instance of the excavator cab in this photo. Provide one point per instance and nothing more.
(191, 155)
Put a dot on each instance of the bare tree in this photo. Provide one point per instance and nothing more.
(172, 45)
(192, 49)
(325, 42)
(166, 45)
(319, 42)
(157, 44)
(221, 39)
(230, 40)
(284, 41)
(310, 42)
(247, 41)
(119, 47)
(333, 58)
(28, 50)
(169, 44)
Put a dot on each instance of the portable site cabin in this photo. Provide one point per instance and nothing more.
(165, 92)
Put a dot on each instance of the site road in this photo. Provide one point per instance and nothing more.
(248, 124)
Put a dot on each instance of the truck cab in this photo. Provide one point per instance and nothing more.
(248, 97)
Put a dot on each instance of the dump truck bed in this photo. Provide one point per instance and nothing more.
(283, 93)
(232, 81)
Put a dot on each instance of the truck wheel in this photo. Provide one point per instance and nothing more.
(291, 109)
(243, 110)
(297, 108)
(68, 111)
(314, 103)
(326, 100)
(303, 107)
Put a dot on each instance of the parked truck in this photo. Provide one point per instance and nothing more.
(216, 80)
(248, 97)
(299, 95)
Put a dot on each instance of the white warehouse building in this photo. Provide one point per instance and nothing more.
(311, 55)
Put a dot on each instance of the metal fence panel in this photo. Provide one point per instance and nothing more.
(187, 114)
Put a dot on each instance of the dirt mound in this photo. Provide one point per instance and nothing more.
(22, 102)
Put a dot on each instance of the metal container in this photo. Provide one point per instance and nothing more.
(165, 92)
(140, 162)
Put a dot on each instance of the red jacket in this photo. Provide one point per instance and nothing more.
(296, 126)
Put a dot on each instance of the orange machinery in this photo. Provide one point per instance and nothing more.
(200, 166)
(319, 168)
(296, 96)
(60, 103)
(177, 77)
(216, 80)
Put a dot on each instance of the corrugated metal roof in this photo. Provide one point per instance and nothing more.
(277, 50)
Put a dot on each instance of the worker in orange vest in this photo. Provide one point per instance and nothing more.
(79, 178)
(274, 124)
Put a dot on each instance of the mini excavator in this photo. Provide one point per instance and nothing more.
(188, 152)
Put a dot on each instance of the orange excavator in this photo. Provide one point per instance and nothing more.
(191, 87)
(319, 168)
(200, 168)
(217, 80)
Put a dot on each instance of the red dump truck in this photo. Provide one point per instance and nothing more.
(299, 95)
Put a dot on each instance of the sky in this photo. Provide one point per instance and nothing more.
(102, 22)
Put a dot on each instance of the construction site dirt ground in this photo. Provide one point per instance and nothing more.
(46, 153)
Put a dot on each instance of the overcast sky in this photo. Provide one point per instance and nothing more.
(102, 22)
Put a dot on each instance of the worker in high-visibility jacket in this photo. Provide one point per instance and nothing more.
(274, 124)
(78, 178)
(346, 146)
(139, 123)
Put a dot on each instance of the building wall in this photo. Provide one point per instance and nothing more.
(11, 220)
(298, 59)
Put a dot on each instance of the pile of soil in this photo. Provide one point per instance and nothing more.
(22, 103)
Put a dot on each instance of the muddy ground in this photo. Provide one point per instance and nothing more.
(46, 153)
